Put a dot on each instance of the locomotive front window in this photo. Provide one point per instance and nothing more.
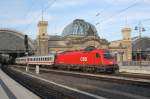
(107, 55)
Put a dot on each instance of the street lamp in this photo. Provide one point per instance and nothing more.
(140, 29)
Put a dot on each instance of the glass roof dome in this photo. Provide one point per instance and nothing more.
(79, 28)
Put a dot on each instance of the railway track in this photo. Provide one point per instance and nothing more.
(44, 90)
(91, 86)
(114, 89)
(132, 79)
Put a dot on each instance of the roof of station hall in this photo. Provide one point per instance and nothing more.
(13, 40)
(79, 27)
(142, 43)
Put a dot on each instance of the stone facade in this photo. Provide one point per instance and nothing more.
(42, 39)
(122, 49)
(73, 43)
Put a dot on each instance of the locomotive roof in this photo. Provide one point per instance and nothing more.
(83, 51)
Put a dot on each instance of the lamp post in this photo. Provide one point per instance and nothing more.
(140, 29)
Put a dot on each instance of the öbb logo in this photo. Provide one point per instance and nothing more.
(83, 59)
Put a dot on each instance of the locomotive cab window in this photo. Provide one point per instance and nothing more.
(97, 55)
(107, 55)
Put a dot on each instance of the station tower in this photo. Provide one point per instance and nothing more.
(127, 44)
(42, 39)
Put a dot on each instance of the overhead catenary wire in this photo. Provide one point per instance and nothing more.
(41, 13)
(29, 9)
(119, 12)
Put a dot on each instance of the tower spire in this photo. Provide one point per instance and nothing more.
(42, 14)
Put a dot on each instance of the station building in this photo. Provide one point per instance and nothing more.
(77, 35)
(12, 43)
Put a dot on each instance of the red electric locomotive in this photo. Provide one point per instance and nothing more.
(90, 59)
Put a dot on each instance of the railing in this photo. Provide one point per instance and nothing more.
(135, 63)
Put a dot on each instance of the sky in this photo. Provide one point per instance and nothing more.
(108, 16)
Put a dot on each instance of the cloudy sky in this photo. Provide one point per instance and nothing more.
(108, 16)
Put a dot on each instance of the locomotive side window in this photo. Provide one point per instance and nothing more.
(97, 55)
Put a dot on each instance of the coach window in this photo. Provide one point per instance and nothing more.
(50, 58)
(97, 55)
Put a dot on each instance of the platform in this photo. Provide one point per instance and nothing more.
(135, 69)
(10, 89)
(3, 94)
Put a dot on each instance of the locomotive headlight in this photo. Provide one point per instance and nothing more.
(111, 62)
